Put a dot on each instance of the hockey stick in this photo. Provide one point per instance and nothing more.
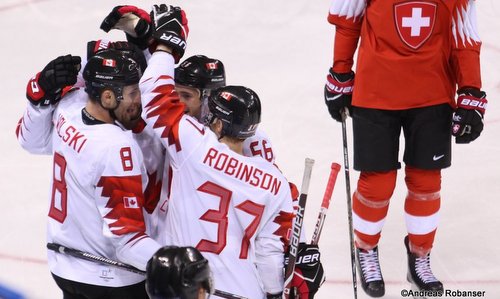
(93, 258)
(349, 205)
(102, 260)
(334, 171)
(297, 227)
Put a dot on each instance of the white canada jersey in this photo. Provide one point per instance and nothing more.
(96, 200)
(236, 210)
(259, 145)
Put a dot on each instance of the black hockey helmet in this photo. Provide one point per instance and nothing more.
(177, 272)
(110, 69)
(238, 108)
(201, 72)
(96, 46)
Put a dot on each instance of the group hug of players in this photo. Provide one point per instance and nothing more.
(165, 169)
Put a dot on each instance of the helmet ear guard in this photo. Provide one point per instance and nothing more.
(205, 115)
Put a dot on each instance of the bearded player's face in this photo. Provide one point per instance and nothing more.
(128, 112)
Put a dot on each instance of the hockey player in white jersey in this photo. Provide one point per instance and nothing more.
(151, 148)
(234, 209)
(195, 78)
(98, 173)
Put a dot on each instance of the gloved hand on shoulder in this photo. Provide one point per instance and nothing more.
(46, 87)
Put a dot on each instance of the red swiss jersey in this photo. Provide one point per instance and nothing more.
(411, 53)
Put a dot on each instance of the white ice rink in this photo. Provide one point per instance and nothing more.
(282, 50)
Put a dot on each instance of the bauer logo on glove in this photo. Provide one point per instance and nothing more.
(173, 39)
(309, 257)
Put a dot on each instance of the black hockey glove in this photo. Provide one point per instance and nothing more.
(308, 275)
(338, 93)
(46, 87)
(467, 122)
(170, 27)
(135, 22)
(95, 46)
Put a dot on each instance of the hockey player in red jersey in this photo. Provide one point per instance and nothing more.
(412, 57)
(98, 179)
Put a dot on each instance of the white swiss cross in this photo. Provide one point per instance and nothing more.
(416, 21)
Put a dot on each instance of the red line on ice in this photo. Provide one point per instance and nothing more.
(22, 259)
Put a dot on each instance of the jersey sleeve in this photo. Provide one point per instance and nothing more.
(466, 45)
(154, 162)
(347, 16)
(34, 129)
(272, 239)
(120, 201)
(164, 111)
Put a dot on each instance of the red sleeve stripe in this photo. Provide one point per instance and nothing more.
(169, 110)
(137, 238)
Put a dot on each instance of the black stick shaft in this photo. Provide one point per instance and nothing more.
(99, 259)
(297, 228)
(349, 205)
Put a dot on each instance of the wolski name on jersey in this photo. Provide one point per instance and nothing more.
(69, 134)
(241, 171)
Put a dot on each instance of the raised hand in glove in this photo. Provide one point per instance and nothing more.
(170, 28)
(308, 275)
(135, 22)
(467, 122)
(46, 87)
(338, 93)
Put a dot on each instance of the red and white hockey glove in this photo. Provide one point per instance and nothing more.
(170, 28)
(467, 122)
(309, 274)
(135, 22)
(338, 93)
(46, 87)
